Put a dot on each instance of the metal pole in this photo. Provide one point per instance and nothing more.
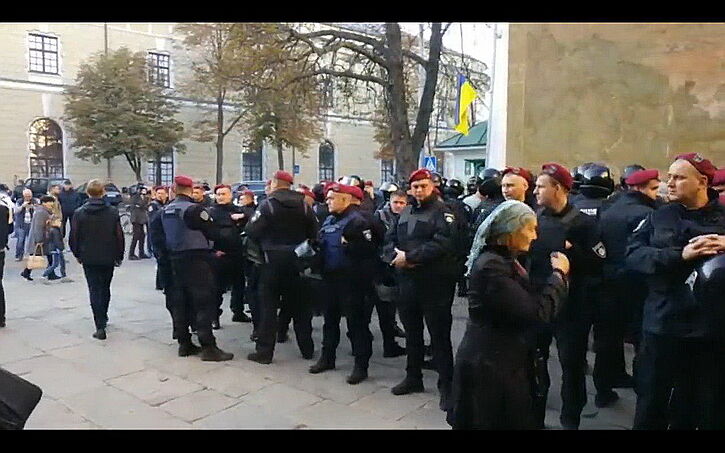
(490, 104)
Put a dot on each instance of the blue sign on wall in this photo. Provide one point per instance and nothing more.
(430, 163)
(297, 169)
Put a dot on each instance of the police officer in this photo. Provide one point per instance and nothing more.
(228, 219)
(281, 223)
(596, 185)
(517, 183)
(199, 196)
(187, 228)
(622, 292)
(679, 371)
(161, 199)
(320, 206)
(346, 242)
(251, 269)
(421, 246)
(563, 228)
(461, 211)
(491, 195)
(623, 187)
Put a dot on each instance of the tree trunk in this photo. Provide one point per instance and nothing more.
(220, 140)
(280, 157)
(405, 155)
(157, 170)
(425, 110)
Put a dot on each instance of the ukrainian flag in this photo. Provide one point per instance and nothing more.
(466, 95)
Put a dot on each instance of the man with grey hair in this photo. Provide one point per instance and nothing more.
(23, 212)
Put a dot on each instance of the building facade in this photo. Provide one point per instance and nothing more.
(39, 60)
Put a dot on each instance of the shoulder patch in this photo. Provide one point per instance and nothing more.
(204, 215)
(368, 235)
(256, 216)
(600, 250)
(449, 217)
(151, 208)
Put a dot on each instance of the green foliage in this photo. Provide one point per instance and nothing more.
(113, 110)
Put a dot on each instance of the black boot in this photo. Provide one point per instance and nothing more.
(409, 385)
(393, 350)
(569, 423)
(241, 317)
(100, 334)
(26, 275)
(214, 354)
(359, 374)
(445, 400)
(428, 365)
(188, 348)
(2, 323)
(258, 357)
(324, 364)
(606, 398)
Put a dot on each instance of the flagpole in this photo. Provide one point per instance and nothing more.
(490, 107)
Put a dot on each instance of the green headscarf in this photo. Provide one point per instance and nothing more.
(508, 217)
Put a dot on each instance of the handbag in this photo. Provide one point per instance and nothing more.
(36, 261)
(18, 399)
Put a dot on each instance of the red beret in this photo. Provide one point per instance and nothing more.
(559, 173)
(719, 178)
(220, 186)
(369, 183)
(248, 192)
(306, 192)
(421, 173)
(641, 177)
(519, 171)
(328, 185)
(160, 187)
(183, 181)
(704, 166)
(283, 176)
(355, 191)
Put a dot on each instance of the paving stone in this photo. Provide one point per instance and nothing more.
(231, 381)
(392, 407)
(194, 406)
(183, 367)
(427, 417)
(109, 407)
(154, 387)
(51, 414)
(13, 348)
(281, 397)
(98, 359)
(54, 376)
(247, 416)
(331, 385)
(331, 415)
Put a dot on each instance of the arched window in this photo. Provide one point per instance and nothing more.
(327, 161)
(46, 149)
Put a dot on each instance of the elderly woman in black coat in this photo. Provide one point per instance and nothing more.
(493, 383)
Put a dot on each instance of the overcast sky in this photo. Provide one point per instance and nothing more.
(477, 38)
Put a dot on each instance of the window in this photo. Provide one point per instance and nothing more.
(328, 92)
(46, 149)
(161, 169)
(387, 170)
(327, 161)
(43, 53)
(159, 69)
(252, 165)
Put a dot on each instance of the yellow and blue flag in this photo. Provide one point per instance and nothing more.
(466, 95)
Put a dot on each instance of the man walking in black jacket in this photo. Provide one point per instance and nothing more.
(70, 200)
(97, 242)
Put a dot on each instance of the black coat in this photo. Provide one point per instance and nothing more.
(70, 200)
(655, 250)
(96, 237)
(229, 236)
(4, 226)
(282, 221)
(493, 374)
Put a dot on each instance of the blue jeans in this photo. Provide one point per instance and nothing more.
(57, 259)
(21, 234)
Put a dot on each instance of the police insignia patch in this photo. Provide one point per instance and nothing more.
(151, 208)
(255, 216)
(449, 217)
(204, 216)
(600, 250)
(368, 235)
(691, 280)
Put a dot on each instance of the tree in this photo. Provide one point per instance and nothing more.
(236, 65)
(114, 110)
(379, 59)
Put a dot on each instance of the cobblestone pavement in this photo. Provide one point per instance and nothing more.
(134, 379)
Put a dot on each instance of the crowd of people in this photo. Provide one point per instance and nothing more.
(543, 256)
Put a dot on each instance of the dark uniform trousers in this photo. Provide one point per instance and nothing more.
(386, 314)
(279, 277)
(251, 290)
(99, 289)
(424, 297)
(614, 311)
(164, 277)
(572, 340)
(680, 383)
(230, 273)
(344, 297)
(193, 296)
(2, 290)
(138, 237)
